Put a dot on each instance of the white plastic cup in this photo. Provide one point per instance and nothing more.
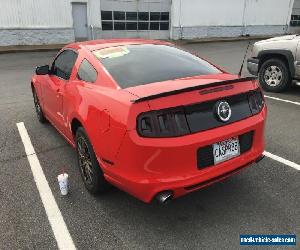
(63, 183)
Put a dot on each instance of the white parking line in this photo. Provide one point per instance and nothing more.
(282, 100)
(282, 160)
(59, 228)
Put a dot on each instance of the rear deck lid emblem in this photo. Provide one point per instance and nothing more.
(223, 111)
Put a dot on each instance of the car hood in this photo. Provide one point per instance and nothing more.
(280, 38)
(177, 84)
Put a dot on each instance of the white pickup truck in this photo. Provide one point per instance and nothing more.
(276, 62)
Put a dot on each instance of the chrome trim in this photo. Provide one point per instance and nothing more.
(164, 197)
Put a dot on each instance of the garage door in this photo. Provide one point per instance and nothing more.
(143, 19)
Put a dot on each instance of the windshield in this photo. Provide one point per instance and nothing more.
(134, 65)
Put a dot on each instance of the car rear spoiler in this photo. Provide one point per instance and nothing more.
(197, 87)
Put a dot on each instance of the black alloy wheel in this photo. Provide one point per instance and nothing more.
(91, 173)
(38, 108)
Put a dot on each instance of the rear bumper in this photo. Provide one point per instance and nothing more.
(147, 166)
(252, 66)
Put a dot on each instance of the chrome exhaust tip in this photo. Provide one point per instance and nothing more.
(164, 197)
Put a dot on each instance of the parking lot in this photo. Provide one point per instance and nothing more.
(262, 199)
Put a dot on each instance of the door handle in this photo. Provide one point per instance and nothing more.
(58, 93)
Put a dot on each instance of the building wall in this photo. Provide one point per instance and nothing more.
(50, 21)
(295, 22)
(35, 22)
(219, 18)
(296, 7)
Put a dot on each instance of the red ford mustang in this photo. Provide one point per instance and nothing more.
(149, 118)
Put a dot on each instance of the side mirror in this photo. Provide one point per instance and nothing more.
(42, 70)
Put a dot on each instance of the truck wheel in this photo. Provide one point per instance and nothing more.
(90, 170)
(274, 75)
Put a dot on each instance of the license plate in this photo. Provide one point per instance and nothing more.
(226, 150)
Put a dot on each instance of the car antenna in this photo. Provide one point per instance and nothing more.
(240, 72)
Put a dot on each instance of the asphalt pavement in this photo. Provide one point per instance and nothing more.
(262, 199)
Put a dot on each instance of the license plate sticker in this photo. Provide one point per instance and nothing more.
(226, 150)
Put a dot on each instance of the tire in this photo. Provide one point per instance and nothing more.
(38, 109)
(89, 167)
(274, 75)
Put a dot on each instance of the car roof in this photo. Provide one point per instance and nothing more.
(104, 43)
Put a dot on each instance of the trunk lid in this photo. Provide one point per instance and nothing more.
(187, 91)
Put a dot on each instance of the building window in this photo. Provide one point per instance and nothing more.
(143, 16)
(107, 25)
(119, 26)
(121, 20)
(164, 25)
(119, 15)
(154, 26)
(164, 16)
(131, 16)
(106, 15)
(143, 25)
(131, 25)
(154, 16)
(295, 20)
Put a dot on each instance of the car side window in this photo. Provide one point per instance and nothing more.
(87, 72)
(63, 64)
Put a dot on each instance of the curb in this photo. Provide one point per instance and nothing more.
(30, 48)
(222, 39)
(51, 47)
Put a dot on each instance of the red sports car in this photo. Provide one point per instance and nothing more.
(149, 118)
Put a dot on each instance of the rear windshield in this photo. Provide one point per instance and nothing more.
(134, 65)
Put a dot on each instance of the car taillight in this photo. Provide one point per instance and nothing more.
(163, 123)
(256, 101)
(180, 121)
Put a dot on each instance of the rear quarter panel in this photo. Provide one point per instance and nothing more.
(101, 107)
(102, 117)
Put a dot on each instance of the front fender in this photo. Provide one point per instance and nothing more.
(282, 52)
